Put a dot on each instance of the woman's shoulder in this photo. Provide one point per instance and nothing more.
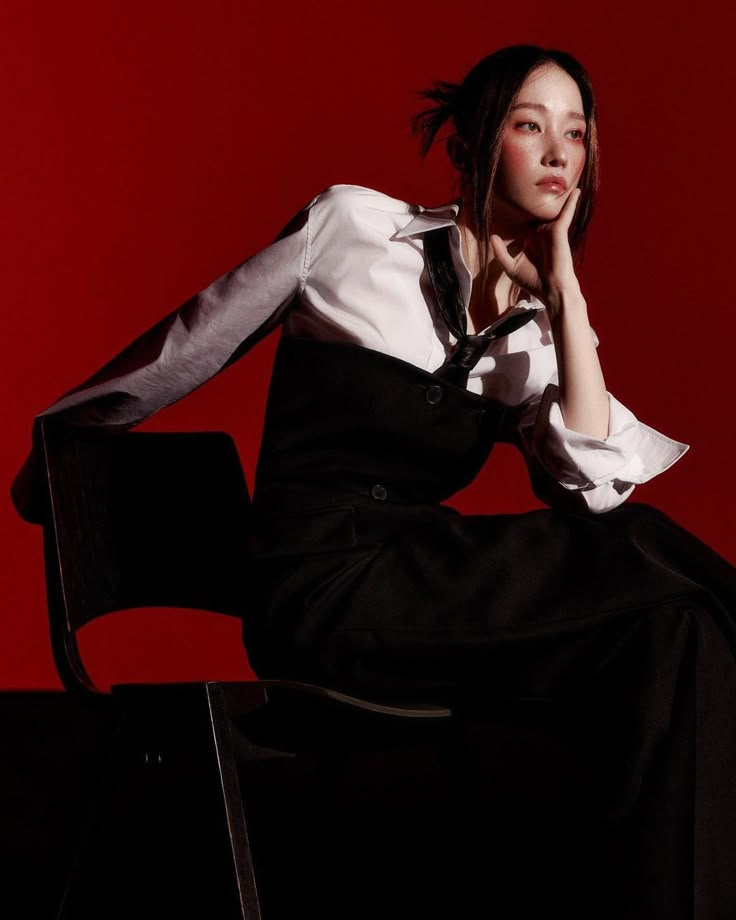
(345, 213)
(347, 202)
(347, 195)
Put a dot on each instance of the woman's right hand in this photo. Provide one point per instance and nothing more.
(542, 262)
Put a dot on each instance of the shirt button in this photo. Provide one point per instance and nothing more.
(379, 493)
(434, 394)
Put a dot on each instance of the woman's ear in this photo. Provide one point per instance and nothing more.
(457, 152)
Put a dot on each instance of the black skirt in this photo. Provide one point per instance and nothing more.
(605, 642)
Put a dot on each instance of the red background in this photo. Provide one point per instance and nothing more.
(149, 147)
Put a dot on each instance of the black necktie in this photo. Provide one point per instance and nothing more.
(469, 348)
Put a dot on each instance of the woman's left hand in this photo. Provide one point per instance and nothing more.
(543, 264)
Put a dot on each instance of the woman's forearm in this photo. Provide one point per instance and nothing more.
(583, 397)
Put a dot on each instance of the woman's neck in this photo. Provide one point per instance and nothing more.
(493, 292)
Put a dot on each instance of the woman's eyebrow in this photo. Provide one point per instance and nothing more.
(543, 108)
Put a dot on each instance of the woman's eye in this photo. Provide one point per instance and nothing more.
(531, 127)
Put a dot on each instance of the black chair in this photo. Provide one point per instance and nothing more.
(161, 520)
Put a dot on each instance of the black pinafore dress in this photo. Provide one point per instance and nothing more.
(369, 583)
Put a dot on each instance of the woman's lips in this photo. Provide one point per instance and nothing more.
(553, 185)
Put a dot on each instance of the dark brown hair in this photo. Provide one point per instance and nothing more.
(479, 108)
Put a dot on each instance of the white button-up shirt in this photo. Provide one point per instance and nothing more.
(350, 267)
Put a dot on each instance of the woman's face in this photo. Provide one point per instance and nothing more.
(543, 139)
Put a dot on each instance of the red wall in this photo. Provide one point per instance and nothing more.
(149, 147)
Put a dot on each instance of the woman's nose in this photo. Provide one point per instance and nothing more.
(555, 154)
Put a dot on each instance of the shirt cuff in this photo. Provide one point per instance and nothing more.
(632, 453)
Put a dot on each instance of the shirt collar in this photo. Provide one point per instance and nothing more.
(444, 215)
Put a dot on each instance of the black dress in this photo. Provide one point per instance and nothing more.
(622, 621)
(613, 632)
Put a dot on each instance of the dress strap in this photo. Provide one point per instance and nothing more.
(438, 257)
(469, 348)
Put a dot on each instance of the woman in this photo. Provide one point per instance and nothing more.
(414, 339)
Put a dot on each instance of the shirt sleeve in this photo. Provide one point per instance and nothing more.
(577, 471)
(191, 344)
(209, 331)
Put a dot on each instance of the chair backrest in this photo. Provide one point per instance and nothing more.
(140, 520)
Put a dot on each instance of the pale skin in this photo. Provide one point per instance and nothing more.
(529, 237)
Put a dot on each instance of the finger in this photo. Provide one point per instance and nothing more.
(564, 219)
(519, 267)
(501, 253)
(568, 209)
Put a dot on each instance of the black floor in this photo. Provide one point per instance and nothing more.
(51, 752)
(48, 746)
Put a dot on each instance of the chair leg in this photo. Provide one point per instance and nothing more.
(287, 806)
(168, 837)
(233, 804)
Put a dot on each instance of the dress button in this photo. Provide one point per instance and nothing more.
(379, 493)
(434, 394)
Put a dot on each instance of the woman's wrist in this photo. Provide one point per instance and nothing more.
(565, 298)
